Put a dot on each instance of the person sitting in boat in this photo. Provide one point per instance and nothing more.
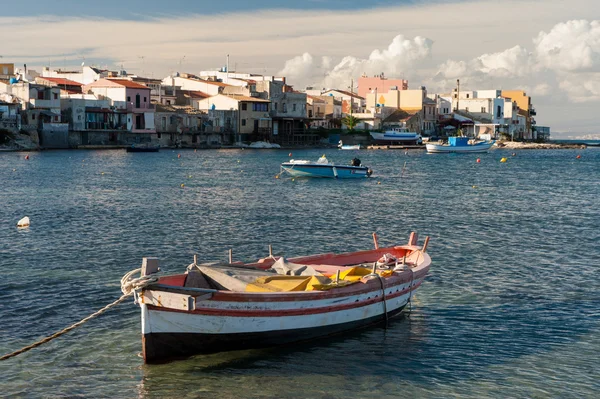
(355, 162)
(323, 159)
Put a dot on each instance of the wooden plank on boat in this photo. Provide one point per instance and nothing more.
(170, 300)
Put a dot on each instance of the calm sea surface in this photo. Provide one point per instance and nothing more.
(511, 307)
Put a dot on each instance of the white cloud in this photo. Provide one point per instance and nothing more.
(515, 61)
(400, 55)
(570, 46)
(582, 88)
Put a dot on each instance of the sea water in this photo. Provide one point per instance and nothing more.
(510, 308)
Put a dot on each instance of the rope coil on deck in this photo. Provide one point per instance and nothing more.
(129, 286)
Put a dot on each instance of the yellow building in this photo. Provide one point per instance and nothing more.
(407, 100)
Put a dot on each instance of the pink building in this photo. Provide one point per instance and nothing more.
(129, 97)
(380, 83)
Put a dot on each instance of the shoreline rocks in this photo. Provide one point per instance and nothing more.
(516, 145)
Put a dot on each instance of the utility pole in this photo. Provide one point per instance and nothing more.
(351, 95)
(457, 93)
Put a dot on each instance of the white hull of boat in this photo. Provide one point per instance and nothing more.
(350, 147)
(396, 137)
(471, 148)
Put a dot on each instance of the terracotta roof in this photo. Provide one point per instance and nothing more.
(399, 116)
(62, 81)
(195, 93)
(128, 83)
(240, 97)
(316, 99)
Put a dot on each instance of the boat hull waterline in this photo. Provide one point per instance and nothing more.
(471, 148)
(179, 321)
(328, 170)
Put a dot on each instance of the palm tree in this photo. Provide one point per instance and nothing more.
(350, 121)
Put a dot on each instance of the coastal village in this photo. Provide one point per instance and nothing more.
(98, 108)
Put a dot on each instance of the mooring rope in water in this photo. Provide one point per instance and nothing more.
(128, 287)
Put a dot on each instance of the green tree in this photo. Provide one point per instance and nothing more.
(350, 121)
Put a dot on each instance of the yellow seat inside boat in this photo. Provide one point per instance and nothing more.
(306, 283)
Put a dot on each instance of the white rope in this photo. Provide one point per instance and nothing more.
(129, 285)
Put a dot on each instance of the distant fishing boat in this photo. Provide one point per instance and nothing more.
(343, 146)
(460, 144)
(223, 307)
(143, 148)
(399, 135)
(324, 168)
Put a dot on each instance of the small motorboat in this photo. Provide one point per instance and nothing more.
(324, 168)
(460, 144)
(343, 146)
(213, 308)
(143, 148)
(399, 135)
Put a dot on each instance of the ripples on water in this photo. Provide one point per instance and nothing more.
(511, 307)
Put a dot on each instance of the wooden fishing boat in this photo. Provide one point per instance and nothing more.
(222, 307)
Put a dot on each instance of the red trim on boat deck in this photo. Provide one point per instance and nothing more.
(288, 312)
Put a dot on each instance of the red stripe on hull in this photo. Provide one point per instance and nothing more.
(287, 312)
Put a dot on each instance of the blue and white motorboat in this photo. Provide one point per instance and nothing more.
(460, 144)
(343, 146)
(399, 135)
(324, 168)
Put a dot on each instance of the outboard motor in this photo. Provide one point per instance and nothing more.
(355, 162)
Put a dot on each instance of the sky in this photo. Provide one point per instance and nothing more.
(548, 49)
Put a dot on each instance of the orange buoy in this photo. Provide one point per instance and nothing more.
(27, 156)
(478, 160)
(578, 157)
(178, 155)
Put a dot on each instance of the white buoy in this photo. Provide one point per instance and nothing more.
(23, 222)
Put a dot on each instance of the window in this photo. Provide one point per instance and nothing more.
(243, 122)
(260, 107)
(294, 107)
(144, 99)
(168, 102)
(482, 109)
(55, 96)
(467, 109)
(164, 122)
(40, 95)
(158, 135)
(244, 106)
(467, 95)
(33, 116)
(128, 98)
(275, 106)
(310, 113)
(284, 108)
(78, 117)
(498, 111)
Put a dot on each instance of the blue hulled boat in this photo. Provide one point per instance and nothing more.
(324, 168)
